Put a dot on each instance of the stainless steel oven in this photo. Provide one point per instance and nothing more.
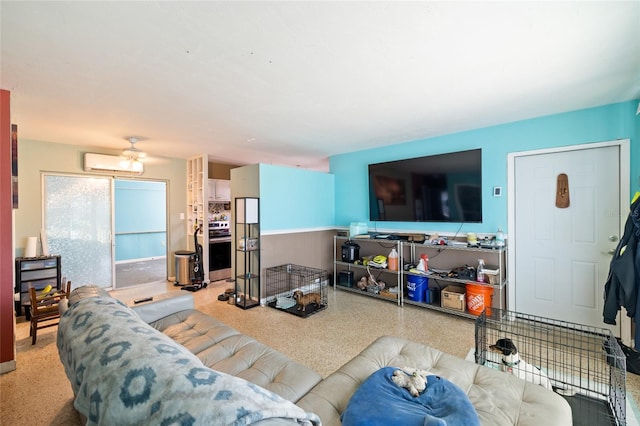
(219, 251)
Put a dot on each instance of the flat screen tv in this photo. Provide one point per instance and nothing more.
(436, 188)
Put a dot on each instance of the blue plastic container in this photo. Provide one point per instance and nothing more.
(417, 286)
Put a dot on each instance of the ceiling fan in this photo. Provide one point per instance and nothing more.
(132, 151)
(132, 156)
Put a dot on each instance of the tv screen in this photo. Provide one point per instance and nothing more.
(435, 188)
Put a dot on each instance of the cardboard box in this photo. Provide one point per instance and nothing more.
(491, 274)
(453, 297)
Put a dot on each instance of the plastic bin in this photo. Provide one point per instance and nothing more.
(478, 297)
(417, 287)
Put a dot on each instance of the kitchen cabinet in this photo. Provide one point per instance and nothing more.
(219, 190)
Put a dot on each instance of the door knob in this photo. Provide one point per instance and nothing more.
(612, 252)
(613, 238)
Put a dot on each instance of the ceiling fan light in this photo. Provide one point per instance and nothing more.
(131, 164)
(125, 163)
(136, 166)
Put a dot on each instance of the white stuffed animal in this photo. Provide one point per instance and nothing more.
(412, 379)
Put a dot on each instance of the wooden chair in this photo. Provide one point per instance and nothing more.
(44, 308)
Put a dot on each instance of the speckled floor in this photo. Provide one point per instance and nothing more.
(323, 341)
(329, 338)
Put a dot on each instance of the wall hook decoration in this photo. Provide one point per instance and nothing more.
(562, 191)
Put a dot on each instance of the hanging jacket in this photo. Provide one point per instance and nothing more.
(635, 217)
(621, 287)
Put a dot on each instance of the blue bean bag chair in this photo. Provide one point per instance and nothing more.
(379, 401)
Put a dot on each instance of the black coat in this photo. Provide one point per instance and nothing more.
(621, 288)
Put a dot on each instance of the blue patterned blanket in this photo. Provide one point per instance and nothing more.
(125, 372)
(380, 402)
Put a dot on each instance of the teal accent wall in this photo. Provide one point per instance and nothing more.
(292, 198)
(606, 123)
(140, 219)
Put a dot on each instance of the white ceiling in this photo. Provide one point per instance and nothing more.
(292, 83)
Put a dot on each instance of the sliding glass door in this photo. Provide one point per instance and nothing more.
(78, 222)
(140, 232)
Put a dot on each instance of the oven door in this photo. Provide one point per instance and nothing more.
(219, 259)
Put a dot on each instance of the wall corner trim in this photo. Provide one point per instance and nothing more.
(8, 366)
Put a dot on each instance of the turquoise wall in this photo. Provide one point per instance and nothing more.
(140, 219)
(617, 121)
(295, 199)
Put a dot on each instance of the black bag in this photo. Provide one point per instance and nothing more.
(632, 357)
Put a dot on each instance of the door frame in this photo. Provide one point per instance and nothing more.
(112, 177)
(624, 147)
(166, 223)
(44, 217)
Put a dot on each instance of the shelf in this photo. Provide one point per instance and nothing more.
(441, 257)
(246, 304)
(440, 309)
(248, 276)
(457, 281)
(197, 169)
(369, 248)
(366, 293)
(458, 248)
(247, 259)
(371, 268)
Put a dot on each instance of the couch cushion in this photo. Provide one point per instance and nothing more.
(223, 348)
(499, 398)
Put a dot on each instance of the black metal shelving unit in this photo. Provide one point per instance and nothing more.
(247, 253)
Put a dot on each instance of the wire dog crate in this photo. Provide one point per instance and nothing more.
(296, 289)
(583, 364)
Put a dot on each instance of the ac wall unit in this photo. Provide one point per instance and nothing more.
(111, 164)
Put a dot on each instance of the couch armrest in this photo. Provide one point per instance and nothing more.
(163, 306)
(80, 293)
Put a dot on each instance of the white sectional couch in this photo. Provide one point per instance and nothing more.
(498, 398)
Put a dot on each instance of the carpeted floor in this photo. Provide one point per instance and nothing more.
(323, 341)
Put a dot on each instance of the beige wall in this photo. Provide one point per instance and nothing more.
(313, 249)
(36, 157)
(220, 171)
(310, 249)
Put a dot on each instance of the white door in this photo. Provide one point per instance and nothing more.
(561, 255)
